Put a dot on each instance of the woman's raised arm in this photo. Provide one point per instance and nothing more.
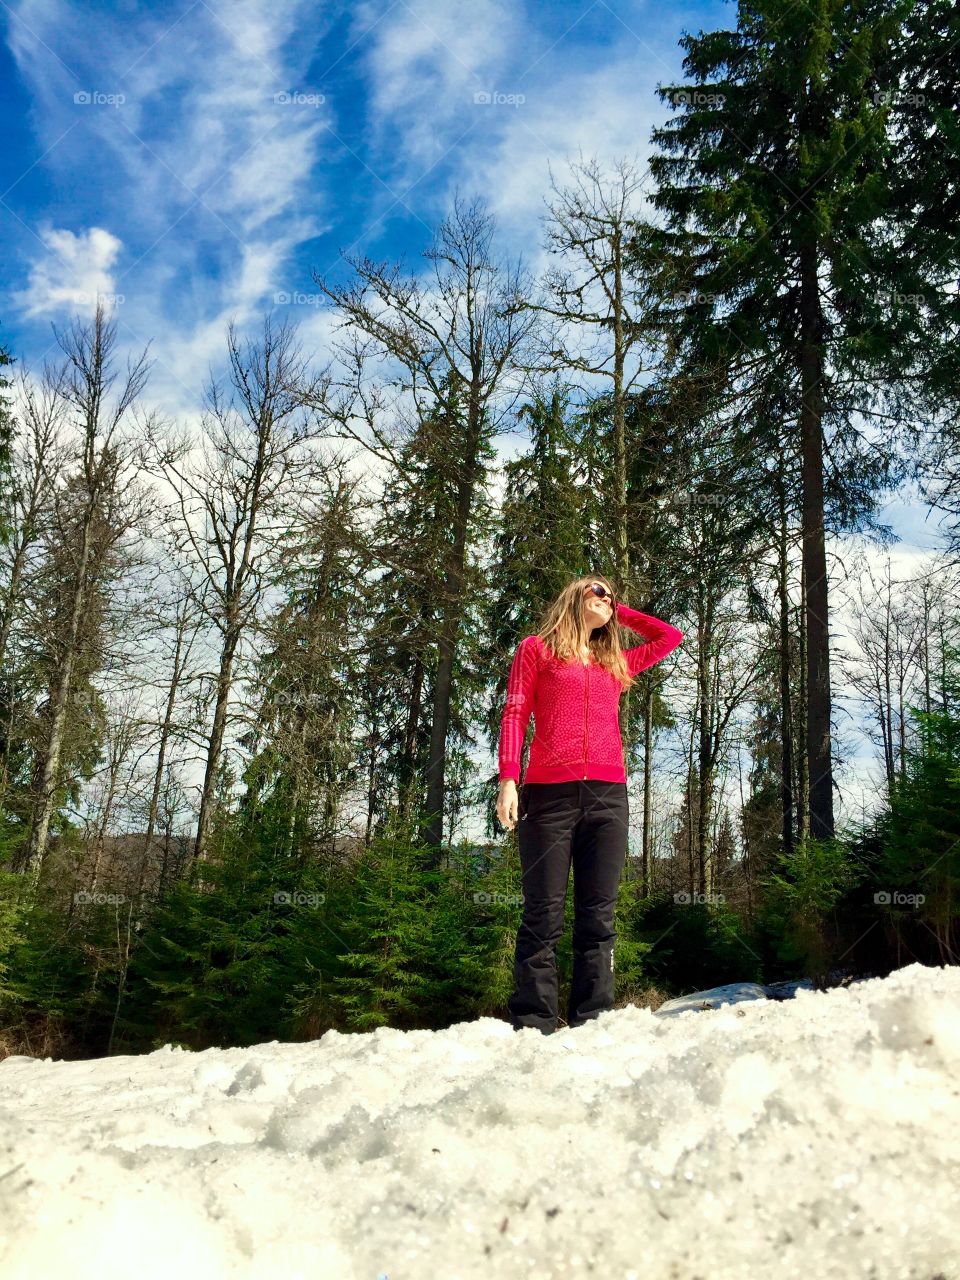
(661, 638)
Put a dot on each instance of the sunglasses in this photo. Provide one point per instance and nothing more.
(601, 592)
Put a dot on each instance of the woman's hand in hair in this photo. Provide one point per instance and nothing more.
(507, 804)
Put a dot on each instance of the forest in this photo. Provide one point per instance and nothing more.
(253, 660)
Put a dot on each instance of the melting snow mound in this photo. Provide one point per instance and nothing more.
(814, 1137)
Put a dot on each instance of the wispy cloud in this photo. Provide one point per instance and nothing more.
(196, 146)
(604, 112)
(425, 63)
(485, 101)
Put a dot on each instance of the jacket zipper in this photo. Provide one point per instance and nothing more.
(586, 693)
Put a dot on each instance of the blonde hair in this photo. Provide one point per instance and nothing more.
(563, 629)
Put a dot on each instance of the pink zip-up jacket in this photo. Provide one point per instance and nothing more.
(575, 707)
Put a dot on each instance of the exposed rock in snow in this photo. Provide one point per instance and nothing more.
(810, 1137)
(732, 993)
(786, 990)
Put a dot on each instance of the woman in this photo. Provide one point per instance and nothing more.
(573, 802)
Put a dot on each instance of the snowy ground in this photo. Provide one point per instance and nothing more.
(815, 1137)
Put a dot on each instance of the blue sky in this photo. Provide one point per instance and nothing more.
(219, 153)
(199, 160)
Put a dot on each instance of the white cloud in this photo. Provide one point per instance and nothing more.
(74, 271)
(203, 170)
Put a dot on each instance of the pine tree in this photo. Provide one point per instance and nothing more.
(776, 181)
(455, 345)
(532, 557)
(921, 854)
(301, 742)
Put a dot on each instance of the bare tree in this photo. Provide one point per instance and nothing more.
(236, 501)
(38, 456)
(93, 514)
(888, 670)
(597, 307)
(186, 625)
(124, 736)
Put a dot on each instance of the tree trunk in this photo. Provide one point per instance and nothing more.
(408, 788)
(122, 980)
(706, 714)
(104, 823)
(449, 629)
(819, 762)
(647, 853)
(50, 765)
(786, 709)
(165, 734)
(11, 604)
(217, 734)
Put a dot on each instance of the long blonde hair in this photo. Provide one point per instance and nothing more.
(563, 629)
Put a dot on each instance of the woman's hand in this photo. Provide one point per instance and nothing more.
(507, 804)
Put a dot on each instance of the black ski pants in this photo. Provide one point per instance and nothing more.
(583, 822)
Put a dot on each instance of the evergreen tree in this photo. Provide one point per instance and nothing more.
(924, 241)
(776, 179)
(455, 343)
(539, 543)
(301, 743)
(921, 854)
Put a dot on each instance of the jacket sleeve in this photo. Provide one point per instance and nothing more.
(660, 636)
(521, 684)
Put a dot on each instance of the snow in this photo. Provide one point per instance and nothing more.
(811, 1137)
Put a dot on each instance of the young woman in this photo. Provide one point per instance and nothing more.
(572, 806)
